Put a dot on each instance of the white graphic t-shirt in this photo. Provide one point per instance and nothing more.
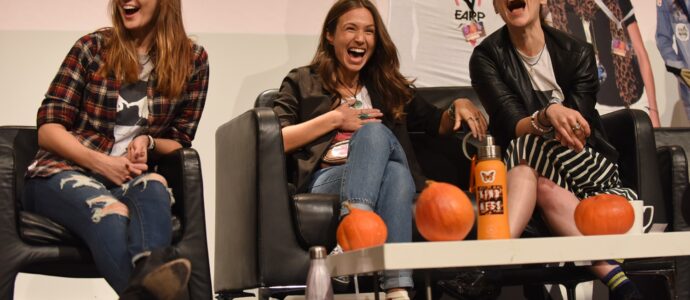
(132, 108)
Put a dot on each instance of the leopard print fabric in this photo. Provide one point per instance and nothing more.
(625, 78)
(558, 15)
(586, 9)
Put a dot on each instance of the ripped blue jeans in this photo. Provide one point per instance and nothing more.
(375, 177)
(115, 233)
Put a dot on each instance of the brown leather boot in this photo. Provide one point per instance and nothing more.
(158, 277)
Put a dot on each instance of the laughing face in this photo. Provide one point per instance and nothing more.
(354, 40)
(518, 13)
(137, 14)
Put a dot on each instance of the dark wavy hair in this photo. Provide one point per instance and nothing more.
(382, 71)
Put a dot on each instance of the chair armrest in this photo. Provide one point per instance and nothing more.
(256, 239)
(8, 209)
(182, 170)
(631, 133)
(673, 168)
(677, 136)
(685, 206)
(316, 216)
(236, 262)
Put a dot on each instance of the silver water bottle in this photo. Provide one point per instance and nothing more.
(319, 279)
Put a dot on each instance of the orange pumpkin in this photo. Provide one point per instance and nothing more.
(604, 214)
(361, 229)
(443, 212)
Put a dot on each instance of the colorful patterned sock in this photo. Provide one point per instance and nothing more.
(620, 285)
(615, 278)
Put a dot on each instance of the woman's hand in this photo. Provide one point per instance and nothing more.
(571, 128)
(466, 110)
(137, 150)
(118, 169)
(353, 119)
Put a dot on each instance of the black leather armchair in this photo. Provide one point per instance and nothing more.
(271, 229)
(34, 244)
(673, 149)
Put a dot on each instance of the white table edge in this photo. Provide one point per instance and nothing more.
(434, 255)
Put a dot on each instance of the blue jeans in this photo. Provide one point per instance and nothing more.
(115, 233)
(376, 177)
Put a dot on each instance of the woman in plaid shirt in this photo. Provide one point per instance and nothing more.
(121, 96)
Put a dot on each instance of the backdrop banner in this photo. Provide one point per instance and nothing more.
(435, 40)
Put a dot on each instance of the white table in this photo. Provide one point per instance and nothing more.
(436, 255)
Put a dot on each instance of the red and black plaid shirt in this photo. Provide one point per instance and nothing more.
(85, 103)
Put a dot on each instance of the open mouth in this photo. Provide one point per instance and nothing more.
(516, 4)
(356, 52)
(130, 9)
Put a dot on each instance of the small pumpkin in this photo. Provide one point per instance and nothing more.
(443, 212)
(361, 229)
(604, 214)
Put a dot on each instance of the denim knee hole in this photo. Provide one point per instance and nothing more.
(103, 206)
(144, 180)
(80, 181)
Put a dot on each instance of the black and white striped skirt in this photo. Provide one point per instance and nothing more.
(585, 174)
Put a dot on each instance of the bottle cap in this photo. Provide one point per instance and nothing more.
(317, 252)
(489, 150)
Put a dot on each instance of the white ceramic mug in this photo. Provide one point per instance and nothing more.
(639, 226)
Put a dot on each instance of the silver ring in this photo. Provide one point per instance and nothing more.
(577, 127)
(363, 116)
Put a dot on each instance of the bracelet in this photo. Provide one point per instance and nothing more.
(451, 112)
(542, 115)
(152, 143)
(543, 111)
(539, 128)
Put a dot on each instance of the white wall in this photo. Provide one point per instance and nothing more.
(251, 45)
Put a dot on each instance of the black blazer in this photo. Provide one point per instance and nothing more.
(506, 92)
(302, 98)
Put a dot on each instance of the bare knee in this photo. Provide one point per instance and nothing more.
(522, 184)
(103, 206)
(522, 171)
(545, 186)
(551, 197)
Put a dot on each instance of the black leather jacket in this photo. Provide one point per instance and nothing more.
(302, 98)
(506, 92)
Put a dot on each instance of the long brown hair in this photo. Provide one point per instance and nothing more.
(171, 51)
(382, 69)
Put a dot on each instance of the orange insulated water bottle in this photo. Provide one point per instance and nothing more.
(490, 190)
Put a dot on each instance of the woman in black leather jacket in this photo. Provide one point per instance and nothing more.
(538, 86)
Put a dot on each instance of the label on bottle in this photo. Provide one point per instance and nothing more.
(490, 200)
